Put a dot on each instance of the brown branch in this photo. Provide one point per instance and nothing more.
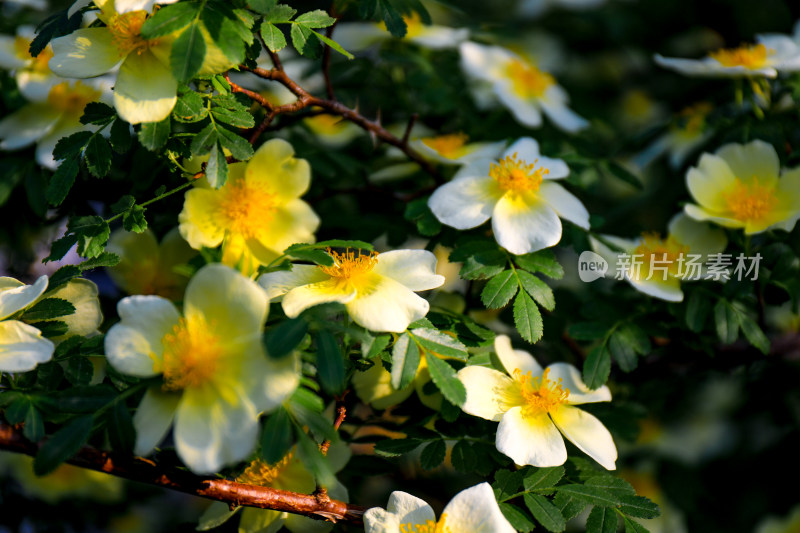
(146, 471)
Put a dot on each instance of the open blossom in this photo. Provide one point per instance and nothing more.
(22, 346)
(217, 378)
(769, 56)
(519, 195)
(501, 76)
(257, 213)
(472, 510)
(689, 131)
(378, 290)
(742, 186)
(533, 404)
(455, 148)
(357, 36)
(32, 74)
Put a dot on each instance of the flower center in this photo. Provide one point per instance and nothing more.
(126, 31)
(446, 145)
(350, 264)
(71, 98)
(191, 355)
(246, 210)
(750, 201)
(38, 63)
(414, 25)
(692, 119)
(660, 253)
(517, 175)
(428, 527)
(541, 394)
(527, 80)
(745, 56)
(260, 473)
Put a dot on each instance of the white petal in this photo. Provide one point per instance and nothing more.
(665, 289)
(386, 305)
(530, 441)
(524, 223)
(274, 380)
(440, 37)
(587, 433)
(27, 125)
(700, 238)
(489, 393)
(409, 509)
(709, 180)
(527, 149)
(563, 117)
(512, 359)
(578, 391)
(565, 204)
(475, 510)
(357, 36)
(526, 111)
(465, 202)
(301, 298)
(22, 347)
(699, 213)
(377, 520)
(153, 418)
(83, 295)
(416, 269)
(145, 90)
(84, 53)
(16, 296)
(278, 283)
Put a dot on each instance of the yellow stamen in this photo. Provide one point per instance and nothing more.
(38, 63)
(662, 253)
(541, 394)
(191, 355)
(245, 210)
(750, 201)
(517, 175)
(350, 264)
(73, 98)
(446, 145)
(126, 32)
(693, 118)
(745, 56)
(260, 473)
(527, 80)
(414, 25)
(428, 527)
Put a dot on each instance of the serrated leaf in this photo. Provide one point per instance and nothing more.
(622, 352)
(205, 140)
(330, 363)
(262, 6)
(441, 343)
(393, 19)
(63, 445)
(405, 361)
(463, 456)
(79, 371)
(538, 289)
(273, 37)
(216, 170)
(234, 118)
(190, 107)
(569, 506)
(92, 237)
(63, 275)
(396, 447)
(238, 146)
(97, 113)
(71, 146)
(51, 328)
(753, 333)
(105, 259)
(597, 367)
(227, 30)
(188, 53)
(518, 518)
(527, 318)
(315, 19)
(300, 36)
(49, 308)
(33, 430)
(18, 409)
(545, 512)
(97, 156)
(543, 261)
(280, 13)
(169, 19)
(334, 45)
(482, 265)
(613, 485)
(375, 347)
(277, 437)
(631, 526)
(506, 484)
(499, 290)
(638, 506)
(154, 135)
(306, 408)
(602, 520)
(726, 321)
(589, 494)
(120, 136)
(312, 255)
(134, 220)
(445, 379)
(62, 181)
(280, 340)
(543, 478)
(433, 454)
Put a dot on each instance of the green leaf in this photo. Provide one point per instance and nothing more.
(54, 26)
(506, 484)
(262, 6)
(239, 147)
(632, 526)
(97, 113)
(392, 18)
(622, 352)
(229, 32)
(190, 107)
(440, 343)
(121, 433)
(727, 322)
(623, 174)
(543, 261)
(333, 44)
(188, 53)
(330, 363)
(51, 328)
(405, 361)
(569, 506)
(62, 445)
(313, 255)
(433, 454)
(105, 259)
(527, 318)
(396, 447)
(306, 408)
(753, 333)
(273, 37)
(120, 136)
(589, 494)
(300, 35)
(33, 430)
(588, 331)
(463, 457)
(169, 19)
(543, 478)
(538, 289)
(234, 118)
(62, 180)
(71, 146)
(276, 438)
(613, 485)
(638, 507)
(597, 367)
(545, 512)
(216, 170)
(81, 399)
(48, 308)
(205, 140)
(134, 220)
(499, 290)
(281, 13)
(482, 266)
(697, 311)
(309, 454)
(154, 135)
(518, 518)
(63, 275)
(92, 233)
(315, 19)
(445, 379)
(602, 520)
(374, 348)
(285, 337)
(79, 371)
(98, 156)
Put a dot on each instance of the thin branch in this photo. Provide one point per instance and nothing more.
(146, 471)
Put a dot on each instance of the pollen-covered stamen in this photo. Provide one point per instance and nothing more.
(753, 57)
(261, 473)
(72, 98)
(191, 355)
(428, 527)
(517, 175)
(527, 80)
(663, 254)
(540, 394)
(350, 264)
(246, 210)
(750, 201)
(126, 32)
(446, 145)
(38, 63)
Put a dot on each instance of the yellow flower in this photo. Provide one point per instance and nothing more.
(357, 36)
(742, 186)
(217, 378)
(257, 213)
(376, 289)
